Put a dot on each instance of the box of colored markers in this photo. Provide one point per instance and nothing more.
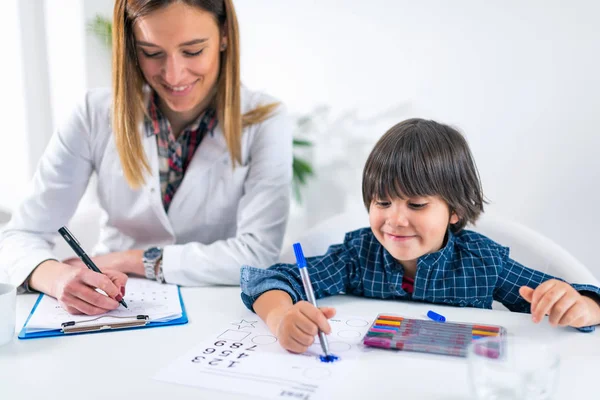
(400, 333)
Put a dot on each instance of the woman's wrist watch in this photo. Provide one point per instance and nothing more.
(151, 258)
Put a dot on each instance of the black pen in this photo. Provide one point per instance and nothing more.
(70, 239)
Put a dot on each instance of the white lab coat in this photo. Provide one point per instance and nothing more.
(219, 218)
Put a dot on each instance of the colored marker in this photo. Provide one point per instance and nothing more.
(435, 316)
(390, 317)
(429, 336)
(310, 295)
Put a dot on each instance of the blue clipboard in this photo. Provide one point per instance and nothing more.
(59, 332)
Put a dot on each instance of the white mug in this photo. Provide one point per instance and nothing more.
(8, 312)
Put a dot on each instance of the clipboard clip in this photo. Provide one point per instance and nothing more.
(92, 325)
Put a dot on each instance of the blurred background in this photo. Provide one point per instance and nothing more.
(518, 78)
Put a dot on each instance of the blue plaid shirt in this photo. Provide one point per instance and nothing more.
(469, 271)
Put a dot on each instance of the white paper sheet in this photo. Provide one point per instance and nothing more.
(244, 357)
(160, 302)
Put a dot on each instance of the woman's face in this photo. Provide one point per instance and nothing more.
(178, 49)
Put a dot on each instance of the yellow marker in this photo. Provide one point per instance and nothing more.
(485, 333)
(385, 322)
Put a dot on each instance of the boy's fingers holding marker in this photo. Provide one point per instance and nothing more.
(329, 312)
(302, 338)
(290, 343)
(305, 324)
(296, 348)
(316, 316)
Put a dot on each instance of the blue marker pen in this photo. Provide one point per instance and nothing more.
(435, 316)
(310, 295)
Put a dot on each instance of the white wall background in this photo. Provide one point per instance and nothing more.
(15, 160)
(519, 78)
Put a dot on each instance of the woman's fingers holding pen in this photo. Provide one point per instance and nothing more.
(110, 282)
(75, 289)
(76, 305)
(84, 289)
(119, 279)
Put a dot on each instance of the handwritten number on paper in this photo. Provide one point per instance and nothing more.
(214, 362)
(234, 345)
(294, 395)
(224, 353)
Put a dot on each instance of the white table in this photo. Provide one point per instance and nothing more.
(120, 365)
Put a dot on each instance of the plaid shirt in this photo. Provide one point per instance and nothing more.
(469, 271)
(175, 154)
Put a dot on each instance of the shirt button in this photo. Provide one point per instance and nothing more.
(152, 190)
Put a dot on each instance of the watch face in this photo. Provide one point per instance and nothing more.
(152, 253)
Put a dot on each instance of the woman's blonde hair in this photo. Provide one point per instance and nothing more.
(128, 98)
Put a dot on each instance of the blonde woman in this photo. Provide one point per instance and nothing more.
(193, 169)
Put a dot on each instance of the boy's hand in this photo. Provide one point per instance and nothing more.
(562, 303)
(298, 325)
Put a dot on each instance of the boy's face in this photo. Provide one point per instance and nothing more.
(410, 228)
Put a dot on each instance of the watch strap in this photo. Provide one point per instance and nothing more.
(150, 260)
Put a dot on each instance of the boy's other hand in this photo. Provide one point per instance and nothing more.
(562, 303)
(299, 324)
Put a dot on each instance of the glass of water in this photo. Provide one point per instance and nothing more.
(510, 368)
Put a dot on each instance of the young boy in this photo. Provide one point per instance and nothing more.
(421, 188)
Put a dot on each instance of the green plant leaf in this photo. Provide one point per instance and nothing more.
(296, 190)
(302, 143)
(299, 174)
(102, 28)
(303, 166)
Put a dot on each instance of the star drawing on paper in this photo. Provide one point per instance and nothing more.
(244, 324)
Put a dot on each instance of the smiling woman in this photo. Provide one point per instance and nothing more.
(194, 169)
(182, 73)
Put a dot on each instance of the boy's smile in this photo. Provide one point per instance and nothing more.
(398, 237)
(410, 228)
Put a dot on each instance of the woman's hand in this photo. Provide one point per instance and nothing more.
(562, 303)
(298, 325)
(75, 287)
(128, 262)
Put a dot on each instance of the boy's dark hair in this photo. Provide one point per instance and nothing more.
(424, 158)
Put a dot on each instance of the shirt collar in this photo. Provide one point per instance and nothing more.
(439, 258)
(436, 259)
